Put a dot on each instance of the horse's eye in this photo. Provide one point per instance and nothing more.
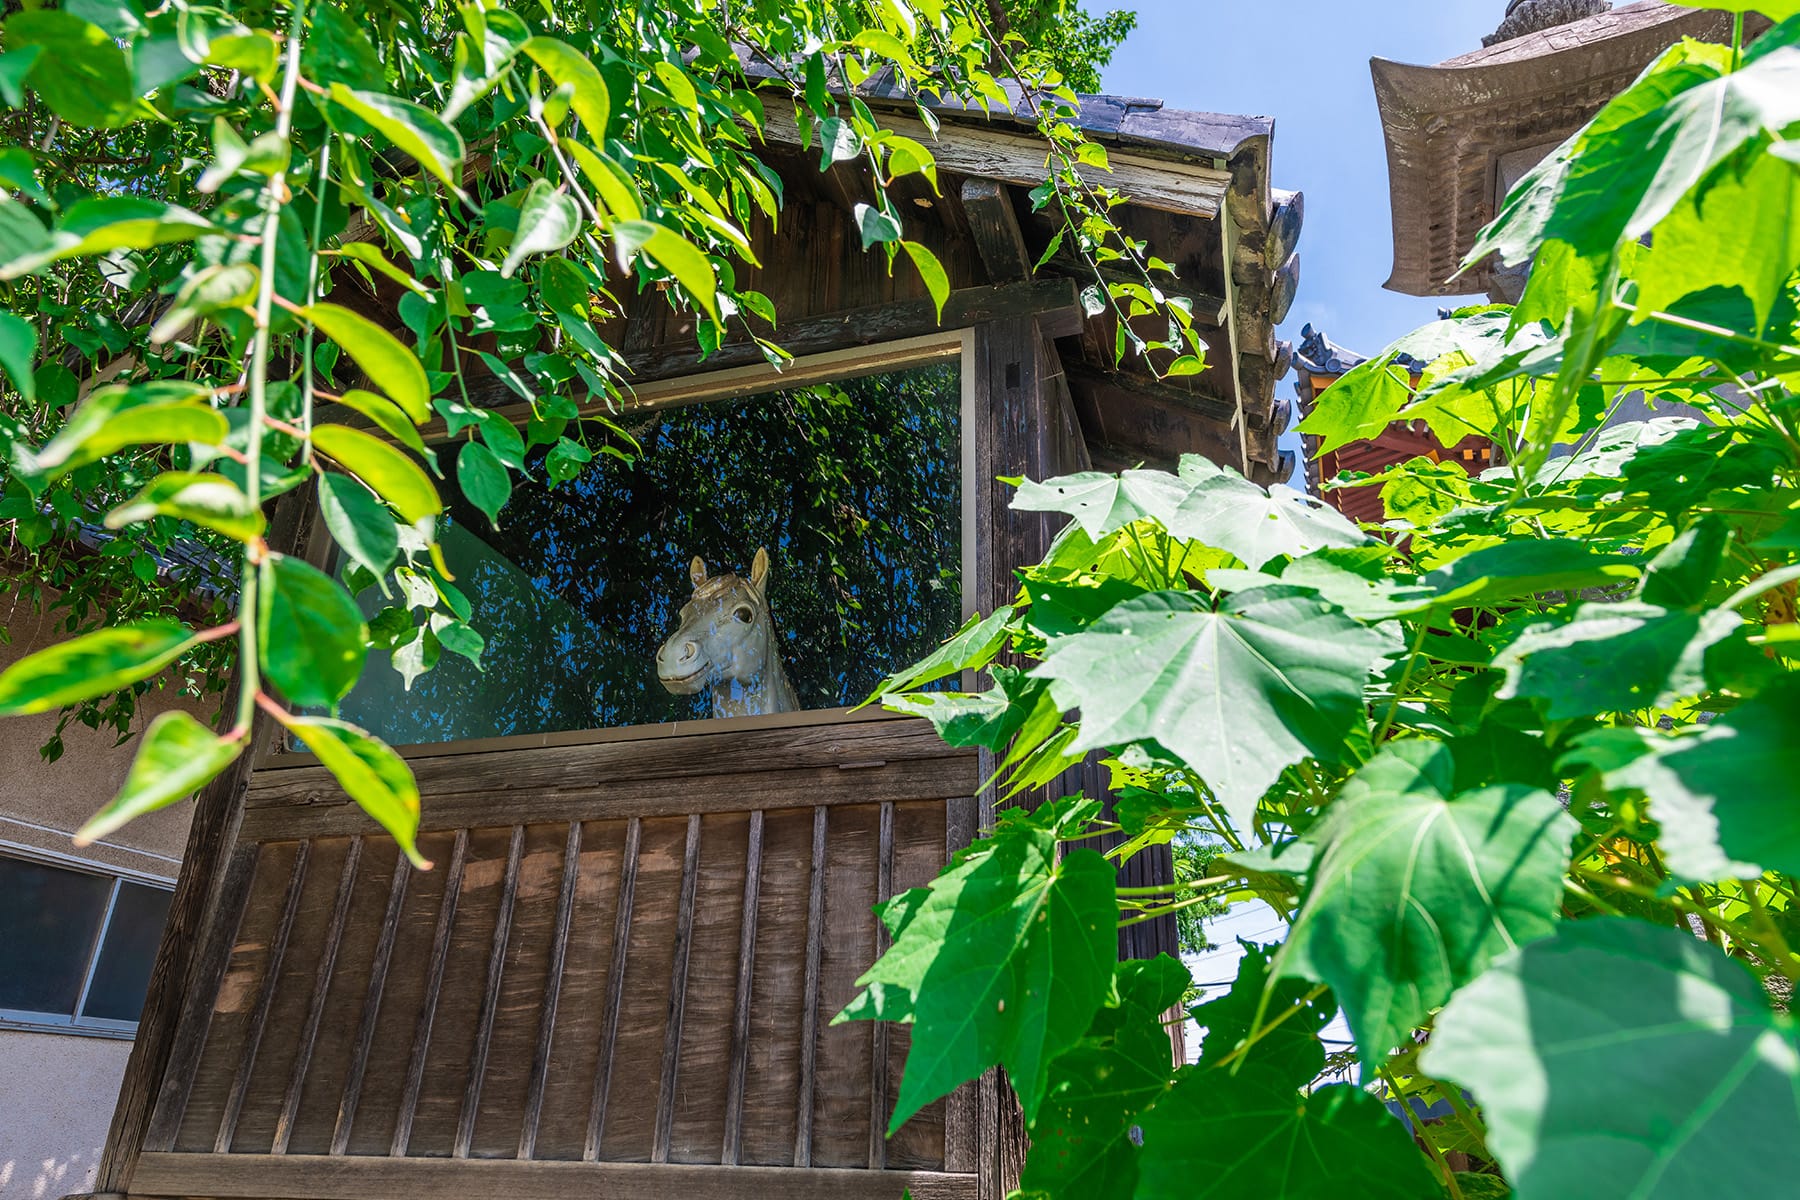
(743, 613)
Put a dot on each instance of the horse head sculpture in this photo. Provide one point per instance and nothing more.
(727, 642)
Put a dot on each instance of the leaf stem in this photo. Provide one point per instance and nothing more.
(275, 195)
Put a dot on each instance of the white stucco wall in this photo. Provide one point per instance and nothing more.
(56, 1100)
(57, 1091)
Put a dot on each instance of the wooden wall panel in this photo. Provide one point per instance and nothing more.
(841, 1080)
(772, 1075)
(236, 999)
(698, 1103)
(919, 834)
(581, 1009)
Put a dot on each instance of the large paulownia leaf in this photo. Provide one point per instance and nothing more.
(1257, 524)
(1102, 503)
(1003, 960)
(1081, 1144)
(1613, 658)
(1252, 1135)
(1723, 793)
(1272, 677)
(1621, 1058)
(1414, 890)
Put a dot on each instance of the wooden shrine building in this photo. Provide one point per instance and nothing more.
(619, 979)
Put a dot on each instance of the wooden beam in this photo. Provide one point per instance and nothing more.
(1105, 385)
(1016, 154)
(1054, 302)
(994, 225)
(318, 1177)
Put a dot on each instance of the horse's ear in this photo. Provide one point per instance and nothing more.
(697, 570)
(759, 570)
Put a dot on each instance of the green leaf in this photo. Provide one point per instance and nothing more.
(1274, 677)
(1254, 1134)
(207, 291)
(1272, 1022)
(1413, 891)
(338, 50)
(1257, 524)
(412, 128)
(1612, 658)
(483, 479)
(359, 523)
(81, 72)
(1524, 568)
(1629, 1053)
(1360, 405)
(387, 417)
(1081, 1143)
(989, 720)
(313, 641)
(393, 368)
(1006, 959)
(18, 348)
(838, 142)
(370, 256)
(100, 225)
(876, 227)
(675, 254)
(389, 473)
(937, 280)
(1723, 793)
(95, 664)
(209, 500)
(115, 417)
(1102, 504)
(369, 772)
(1683, 572)
(548, 221)
(591, 102)
(972, 647)
(178, 757)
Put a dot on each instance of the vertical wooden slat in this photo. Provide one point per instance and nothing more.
(490, 997)
(559, 954)
(434, 981)
(309, 1032)
(365, 1030)
(684, 940)
(809, 1020)
(208, 969)
(878, 1059)
(615, 988)
(240, 1083)
(732, 1153)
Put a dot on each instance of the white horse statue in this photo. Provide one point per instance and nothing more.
(727, 642)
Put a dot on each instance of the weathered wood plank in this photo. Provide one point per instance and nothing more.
(878, 1031)
(490, 997)
(365, 1029)
(559, 955)
(315, 1013)
(615, 989)
(1017, 156)
(240, 1083)
(434, 981)
(684, 940)
(809, 1017)
(450, 771)
(732, 1152)
(275, 1177)
(914, 779)
(994, 224)
(208, 968)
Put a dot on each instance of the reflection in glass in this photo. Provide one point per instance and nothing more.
(854, 491)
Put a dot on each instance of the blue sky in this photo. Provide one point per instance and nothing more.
(1306, 63)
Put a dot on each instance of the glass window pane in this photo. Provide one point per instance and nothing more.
(123, 973)
(854, 488)
(49, 918)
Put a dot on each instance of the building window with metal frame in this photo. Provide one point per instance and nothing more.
(76, 946)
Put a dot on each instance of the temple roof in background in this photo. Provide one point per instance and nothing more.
(1461, 132)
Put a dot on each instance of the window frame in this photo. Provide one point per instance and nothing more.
(75, 1024)
(736, 383)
